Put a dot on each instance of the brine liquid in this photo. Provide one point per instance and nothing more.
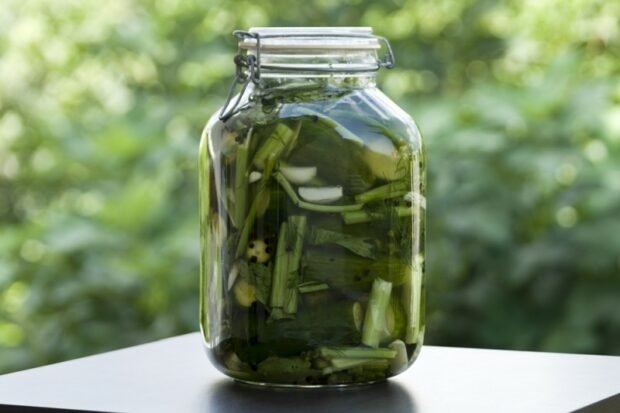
(312, 226)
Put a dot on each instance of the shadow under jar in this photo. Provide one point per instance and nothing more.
(312, 206)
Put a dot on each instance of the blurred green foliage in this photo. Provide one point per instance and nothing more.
(102, 105)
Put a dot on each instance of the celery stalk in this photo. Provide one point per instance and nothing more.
(358, 217)
(391, 190)
(280, 276)
(312, 287)
(297, 230)
(281, 137)
(400, 362)
(241, 181)
(259, 199)
(376, 311)
(412, 296)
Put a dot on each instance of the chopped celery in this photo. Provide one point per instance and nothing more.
(259, 199)
(241, 180)
(376, 312)
(358, 217)
(400, 361)
(312, 287)
(297, 230)
(320, 218)
(391, 190)
(281, 137)
(412, 296)
(280, 275)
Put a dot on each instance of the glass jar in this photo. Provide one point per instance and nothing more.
(312, 215)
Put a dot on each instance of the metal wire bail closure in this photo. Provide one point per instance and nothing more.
(252, 63)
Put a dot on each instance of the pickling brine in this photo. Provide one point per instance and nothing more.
(312, 230)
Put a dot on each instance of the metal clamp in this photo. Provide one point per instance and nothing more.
(388, 61)
(252, 64)
(242, 62)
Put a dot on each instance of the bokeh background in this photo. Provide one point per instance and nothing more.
(102, 105)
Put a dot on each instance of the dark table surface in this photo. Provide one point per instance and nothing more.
(173, 375)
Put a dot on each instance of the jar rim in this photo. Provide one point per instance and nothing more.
(312, 38)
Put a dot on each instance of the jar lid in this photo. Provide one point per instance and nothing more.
(317, 38)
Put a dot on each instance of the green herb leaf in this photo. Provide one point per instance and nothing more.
(260, 276)
(363, 247)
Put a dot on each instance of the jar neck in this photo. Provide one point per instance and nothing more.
(281, 81)
(317, 68)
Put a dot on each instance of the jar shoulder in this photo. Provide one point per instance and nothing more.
(383, 109)
(366, 112)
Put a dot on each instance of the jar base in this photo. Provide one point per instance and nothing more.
(258, 384)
